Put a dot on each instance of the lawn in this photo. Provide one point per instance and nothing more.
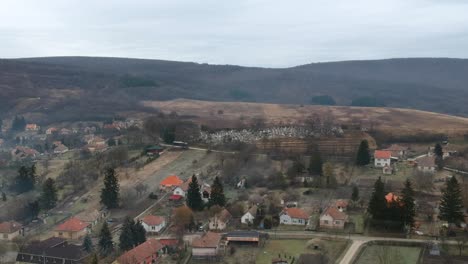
(358, 220)
(380, 254)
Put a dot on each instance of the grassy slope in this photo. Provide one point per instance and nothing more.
(384, 118)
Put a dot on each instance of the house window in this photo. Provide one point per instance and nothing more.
(5, 236)
(325, 222)
(337, 222)
(153, 228)
(60, 234)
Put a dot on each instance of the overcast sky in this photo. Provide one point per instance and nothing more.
(246, 32)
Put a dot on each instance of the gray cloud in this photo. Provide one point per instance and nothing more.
(255, 32)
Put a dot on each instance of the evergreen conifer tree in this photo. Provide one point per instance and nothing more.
(316, 164)
(88, 244)
(217, 193)
(355, 194)
(106, 245)
(438, 151)
(378, 204)
(194, 200)
(49, 194)
(110, 192)
(139, 233)
(363, 155)
(127, 238)
(451, 204)
(408, 208)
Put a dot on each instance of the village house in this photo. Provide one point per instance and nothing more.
(220, 220)
(91, 218)
(207, 246)
(294, 216)
(60, 149)
(52, 250)
(333, 218)
(249, 216)
(10, 230)
(65, 131)
(170, 182)
(382, 158)
(32, 127)
(181, 190)
(153, 223)
(154, 150)
(19, 153)
(51, 130)
(145, 253)
(73, 229)
(398, 151)
(426, 164)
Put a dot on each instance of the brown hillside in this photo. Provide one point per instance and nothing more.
(389, 119)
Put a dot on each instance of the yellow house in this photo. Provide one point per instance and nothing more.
(72, 229)
(10, 230)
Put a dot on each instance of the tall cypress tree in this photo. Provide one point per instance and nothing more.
(139, 233)
(106, 245)
(49, 194)
(355, 194)
(316, 163)
(110, 192)
(438, 151)
(363, 155)
(377, 203)
(127, 239)
(194, 199)
(451, 204)
(217, 193)
(88, 244)
(408, 208)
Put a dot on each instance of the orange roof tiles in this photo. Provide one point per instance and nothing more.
(382, 154)
(295, 212)
(209, 240)
(335, 213)
(171, 180)
(73, 224)
(142, 252)
(9, 227)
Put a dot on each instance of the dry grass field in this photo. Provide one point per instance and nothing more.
(390, 119)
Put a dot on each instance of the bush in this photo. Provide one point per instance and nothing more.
(153, 196)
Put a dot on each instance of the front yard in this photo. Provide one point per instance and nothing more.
(380, 254)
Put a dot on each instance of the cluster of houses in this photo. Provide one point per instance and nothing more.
(386, 158)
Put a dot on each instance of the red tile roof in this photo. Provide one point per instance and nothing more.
(382, 154)
(9, 227)
(141, 252)
(175, 197)
(335, 213)
(341, 203)
(73, 224)
(390, 197)
(171, 180)
(295, 212)
(209, 240)
(153, 220)
(169, 241)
